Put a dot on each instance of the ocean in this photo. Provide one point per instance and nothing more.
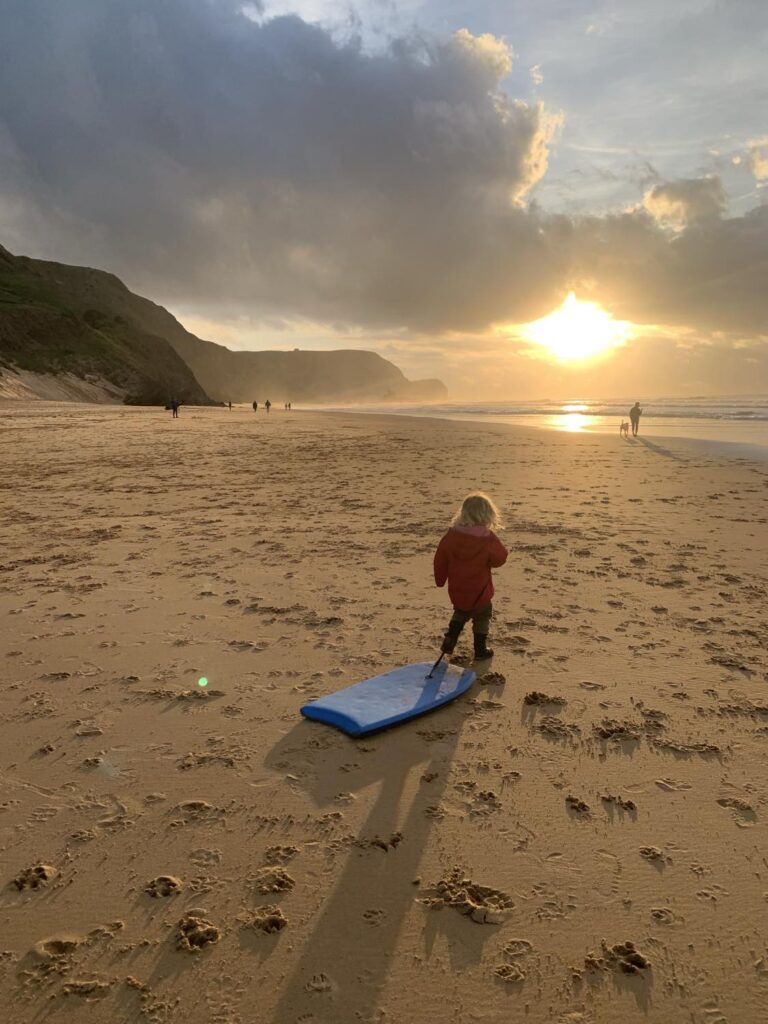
(733, 420)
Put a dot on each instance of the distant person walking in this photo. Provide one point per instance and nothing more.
(255, 406)
(634, 417)
(230, 406)
(174, 406)
(267, 405)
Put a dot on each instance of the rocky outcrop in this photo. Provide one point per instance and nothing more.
(57, 319)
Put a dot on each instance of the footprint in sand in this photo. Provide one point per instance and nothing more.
(374, 916)
(268, 919)
(280, 854)
(194, 932)
(89, 989)
(665, 916)
(655, 856)
(35, 877)
(319, 984)
(164, 885)
(711, 894)
(672, 785)
(510, 970)
(743, 813)
(273, 879)
(482, 903)
(205, 858)
(578, 807)
(538, 699)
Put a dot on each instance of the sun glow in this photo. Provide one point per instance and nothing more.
(577, 330)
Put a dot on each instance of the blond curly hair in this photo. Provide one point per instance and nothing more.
(478, 510)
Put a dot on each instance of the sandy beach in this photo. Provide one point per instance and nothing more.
(581, 839)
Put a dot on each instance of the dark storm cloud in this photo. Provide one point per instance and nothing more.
(711, 276)
(224, 164)
(199, 153)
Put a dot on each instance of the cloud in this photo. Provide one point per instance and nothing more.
(757, 158)
(242, 166)
(710, 276)
(196, 151)
(687, 201)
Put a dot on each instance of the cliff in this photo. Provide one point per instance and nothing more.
(62, 320)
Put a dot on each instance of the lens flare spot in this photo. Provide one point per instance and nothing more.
(202, 681)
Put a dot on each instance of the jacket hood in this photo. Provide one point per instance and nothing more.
(468, 545)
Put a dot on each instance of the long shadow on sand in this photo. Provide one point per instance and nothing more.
(345, 959)
(655, 448)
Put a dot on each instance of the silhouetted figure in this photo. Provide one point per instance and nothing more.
(230, 406)
(289, 407)
(175, 408)
(634, 417)
(267, 405)
(255, 406)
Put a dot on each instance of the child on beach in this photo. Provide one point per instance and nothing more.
(465, 557)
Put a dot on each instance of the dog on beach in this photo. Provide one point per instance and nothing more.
(624, 429)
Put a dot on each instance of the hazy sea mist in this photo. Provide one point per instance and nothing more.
(736, 419)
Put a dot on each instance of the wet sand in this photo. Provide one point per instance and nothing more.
(581, 839)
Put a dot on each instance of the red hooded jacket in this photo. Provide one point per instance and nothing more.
(465, 557)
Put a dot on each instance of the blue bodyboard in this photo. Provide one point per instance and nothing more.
(393, 697)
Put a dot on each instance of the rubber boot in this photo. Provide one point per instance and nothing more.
(481, 651)
(451, 638)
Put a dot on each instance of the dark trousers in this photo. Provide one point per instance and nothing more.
(481, 620)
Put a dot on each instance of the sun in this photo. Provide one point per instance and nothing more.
(577, 330)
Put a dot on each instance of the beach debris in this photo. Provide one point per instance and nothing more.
(482, 903)
(195, 932)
